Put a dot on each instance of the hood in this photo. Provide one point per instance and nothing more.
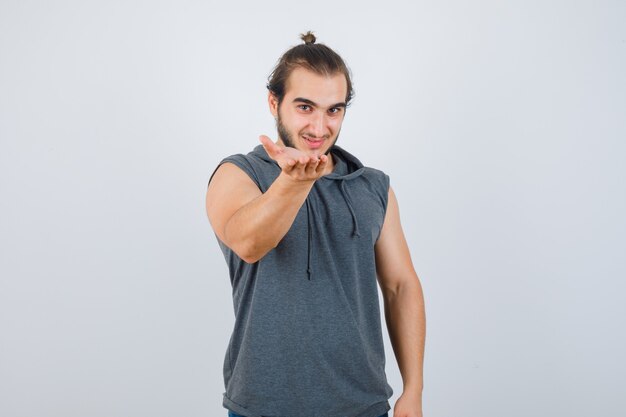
(347, 167)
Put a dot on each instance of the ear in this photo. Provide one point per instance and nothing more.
(272, 100)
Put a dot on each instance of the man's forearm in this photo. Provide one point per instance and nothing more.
(406, 322)
(260, 225)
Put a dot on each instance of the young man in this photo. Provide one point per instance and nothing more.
(307, 231)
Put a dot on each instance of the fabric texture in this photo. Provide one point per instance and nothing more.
(307, 339)
(231, 414)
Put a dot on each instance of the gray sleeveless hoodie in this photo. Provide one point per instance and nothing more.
(307, 339)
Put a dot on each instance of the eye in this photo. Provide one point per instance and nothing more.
(335, 110)
(302, 107)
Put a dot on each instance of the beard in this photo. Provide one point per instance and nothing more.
(287, 137)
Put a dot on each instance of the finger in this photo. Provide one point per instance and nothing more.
(312, 165)
(300, 167)
(267, 144)
(322, 165)
(270, 147)
(289, 165)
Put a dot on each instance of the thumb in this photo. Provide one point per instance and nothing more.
(270, 147)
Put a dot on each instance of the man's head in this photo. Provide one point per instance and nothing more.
(309, 91)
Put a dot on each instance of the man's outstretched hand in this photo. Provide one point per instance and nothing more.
(295, 163)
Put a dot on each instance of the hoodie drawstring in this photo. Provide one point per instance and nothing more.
(308, 224)
(348, 167)
(355, 230)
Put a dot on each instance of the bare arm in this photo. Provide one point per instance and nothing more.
(252, 223)
(404, 307)
(258, 227)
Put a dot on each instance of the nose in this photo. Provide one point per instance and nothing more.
(318, 125)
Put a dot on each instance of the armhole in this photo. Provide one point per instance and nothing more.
(386, 185)
(385, 202)
(242, 163)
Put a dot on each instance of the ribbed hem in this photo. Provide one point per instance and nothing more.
(374, 410)
(237, 409)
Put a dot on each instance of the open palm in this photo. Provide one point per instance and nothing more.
(294, 162)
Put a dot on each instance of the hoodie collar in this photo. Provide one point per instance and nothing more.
(347, 167)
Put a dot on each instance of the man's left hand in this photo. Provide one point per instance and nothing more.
(408, 405)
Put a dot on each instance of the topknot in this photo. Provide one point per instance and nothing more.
(308, 37)
(315, 57)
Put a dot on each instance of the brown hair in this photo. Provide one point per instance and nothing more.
(315, 57)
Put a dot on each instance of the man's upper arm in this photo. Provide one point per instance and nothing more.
(393, 260)
(229, 189)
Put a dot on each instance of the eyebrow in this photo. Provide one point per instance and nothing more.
(312, 103)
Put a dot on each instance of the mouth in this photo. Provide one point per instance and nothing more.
(313, 143)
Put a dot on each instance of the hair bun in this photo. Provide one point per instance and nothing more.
(308, 37)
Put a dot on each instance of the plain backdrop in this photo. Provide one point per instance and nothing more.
(500, 123)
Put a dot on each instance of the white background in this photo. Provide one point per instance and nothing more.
(501, 125)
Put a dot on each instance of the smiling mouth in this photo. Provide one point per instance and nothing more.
(313, 141)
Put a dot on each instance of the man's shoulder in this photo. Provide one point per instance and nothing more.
(256, 164)
(376, 174)
(374, 171)
(367, 169)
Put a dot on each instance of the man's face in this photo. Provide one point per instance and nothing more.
(312, 111)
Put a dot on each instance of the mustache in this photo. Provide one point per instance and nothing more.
(315, 137)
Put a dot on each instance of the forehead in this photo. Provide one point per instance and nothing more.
(322, 89)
